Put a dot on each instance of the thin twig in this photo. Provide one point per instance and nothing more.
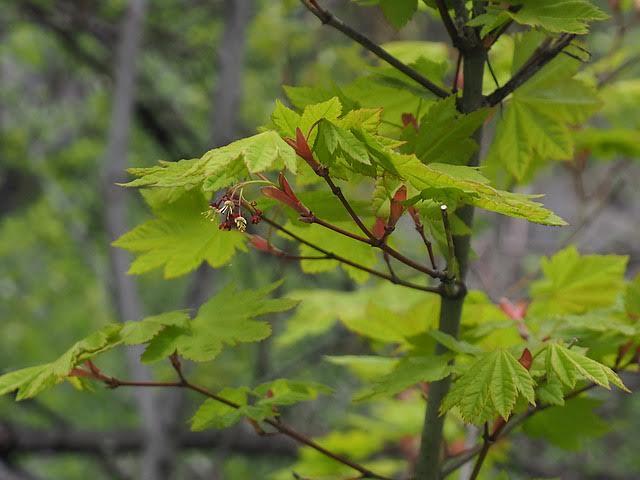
(327, 18)
(451, 260)
(541, 57)
(607, 78)
(378, 243)
(346, 261)
(448, 23)
(486, 445)
(387, 260)
(337, 191)
(456, 75)
(275, 423)
(371, 239)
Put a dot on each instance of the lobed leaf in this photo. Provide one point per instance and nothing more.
(489, 388)
(180, 239)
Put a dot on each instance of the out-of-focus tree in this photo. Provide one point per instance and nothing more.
(548, 99)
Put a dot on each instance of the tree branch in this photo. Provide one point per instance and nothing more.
(376, 243)
(541, 57)
(332, 256)
(448, 23)
(327, 18)
(274, 422)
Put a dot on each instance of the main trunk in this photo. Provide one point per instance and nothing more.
(428, 467)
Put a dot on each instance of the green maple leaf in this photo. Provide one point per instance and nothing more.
(285, 120)
(31, 381)
(139, 332)
(341, 141)
(568, 426)
(399, 12)
(221, 167)
(280, 392)
(445, 134)
(179, 239)
(571, 16)
(575, 283)
(537, 119)
(312, 114)
(214, 414)
(569, 366)
(490, 387)
(407, 372)
(441, 182)
(226, 319)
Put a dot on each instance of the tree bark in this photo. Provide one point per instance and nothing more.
(428, 466)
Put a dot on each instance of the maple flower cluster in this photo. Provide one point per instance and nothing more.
(229, 207)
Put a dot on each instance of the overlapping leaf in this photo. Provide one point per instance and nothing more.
(575, 283)
(445, 135)
(385, 313)
(444, 183)
(570, 426)
(569, 366)
(226, 319)
(408, 372)
(570, 16)
(490, 388)
(31, 381)
(256, 404)
(538, 116)
(221, 167)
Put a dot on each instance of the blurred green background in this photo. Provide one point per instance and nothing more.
(208, 72)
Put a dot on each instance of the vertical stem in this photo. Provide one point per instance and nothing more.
(428, 466)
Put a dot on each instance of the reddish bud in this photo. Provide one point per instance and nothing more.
(269, 393)
(303, 145)
(293, 202)
(460, 80)
(409, 447)
(397, 208)
(515, 311)
(409, 119)
(526, 359)
(79, 372)
(378, 228)
(456, 447)
(302, 148)
(498, 425)
(285, 187)
(262, 244)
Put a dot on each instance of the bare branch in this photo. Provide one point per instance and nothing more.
(448, 23)
(541, 57)
(327, 18)
(332, 256)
